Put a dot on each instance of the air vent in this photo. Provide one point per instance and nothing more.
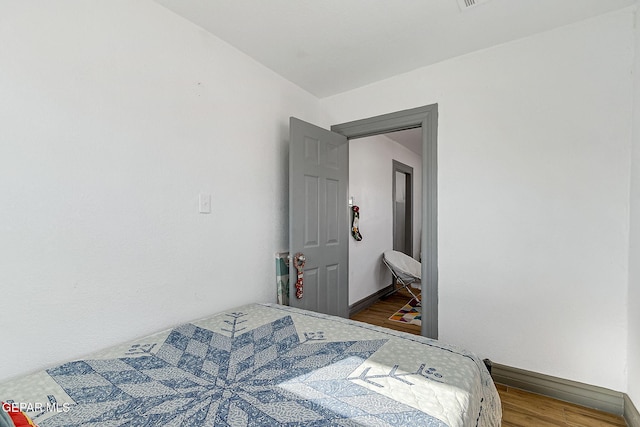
(467, 4)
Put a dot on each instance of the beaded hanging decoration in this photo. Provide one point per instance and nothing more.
(299, 261)
(355, 224)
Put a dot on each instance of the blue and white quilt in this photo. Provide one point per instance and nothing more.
(265, 365)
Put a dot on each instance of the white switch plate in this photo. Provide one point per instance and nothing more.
(204, 203)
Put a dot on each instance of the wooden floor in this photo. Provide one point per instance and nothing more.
(519, 408)
(379, 313)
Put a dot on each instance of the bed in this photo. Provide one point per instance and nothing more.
(265, 365)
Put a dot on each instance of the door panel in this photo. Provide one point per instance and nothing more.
(318, 216)
(311, 211)
(333, 213)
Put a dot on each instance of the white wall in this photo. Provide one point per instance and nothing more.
(370, 183)
(634, 252)
(533, 191)
(114, 116)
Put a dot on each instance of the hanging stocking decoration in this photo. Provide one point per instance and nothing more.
(298, 261)
(355, 225)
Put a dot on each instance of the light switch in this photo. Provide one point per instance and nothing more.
(204, 202)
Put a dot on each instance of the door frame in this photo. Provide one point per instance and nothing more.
(425, 117)
(407, 171)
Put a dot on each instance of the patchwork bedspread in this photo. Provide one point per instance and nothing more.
(265, 365)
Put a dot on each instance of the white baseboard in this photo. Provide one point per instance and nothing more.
(582, 394)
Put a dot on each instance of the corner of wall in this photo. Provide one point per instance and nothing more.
(633, 291)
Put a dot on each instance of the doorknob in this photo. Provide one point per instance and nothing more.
(299, 258)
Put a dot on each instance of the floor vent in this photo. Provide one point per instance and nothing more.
(466, 4)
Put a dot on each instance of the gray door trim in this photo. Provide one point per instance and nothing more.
(427, 118)
(408, 170)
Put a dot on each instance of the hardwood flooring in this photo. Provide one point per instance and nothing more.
(519, 408)
(378, 314)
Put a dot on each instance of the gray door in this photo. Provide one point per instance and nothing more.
(319, 217)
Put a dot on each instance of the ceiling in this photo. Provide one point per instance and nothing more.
(332, 46)
(410, 138)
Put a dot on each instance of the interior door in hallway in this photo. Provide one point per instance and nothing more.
(318, 217)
